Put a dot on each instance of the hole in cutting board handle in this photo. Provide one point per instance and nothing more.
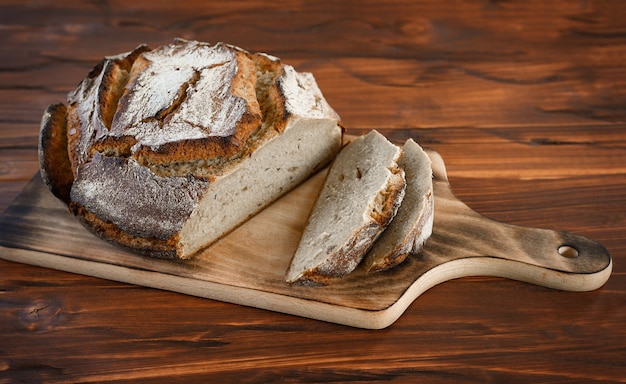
(568, 251)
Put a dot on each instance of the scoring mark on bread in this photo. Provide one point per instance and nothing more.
(161, 116)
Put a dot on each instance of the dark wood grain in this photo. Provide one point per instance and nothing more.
(525, 101)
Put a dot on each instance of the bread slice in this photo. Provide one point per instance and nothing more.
(360, 196)
(413, 223)
(169, 149)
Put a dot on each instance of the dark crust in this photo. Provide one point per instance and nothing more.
(137, 201)
(272, 103)
(279, 100)
(113, 146)
(164, 249)
(313, 278)
(56, 169)
(73, 124)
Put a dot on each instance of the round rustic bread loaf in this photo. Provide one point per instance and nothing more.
(164, 151)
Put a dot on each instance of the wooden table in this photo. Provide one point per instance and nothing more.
(525, 101)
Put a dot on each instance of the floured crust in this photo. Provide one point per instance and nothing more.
(157, 207)
(183, 102)
(213, 110)
(147, 133)
(91, 107)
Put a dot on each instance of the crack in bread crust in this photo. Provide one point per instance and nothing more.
(166, 127)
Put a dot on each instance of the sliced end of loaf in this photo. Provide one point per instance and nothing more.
(308, 144)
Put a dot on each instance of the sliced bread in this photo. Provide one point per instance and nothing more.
(360, 196)
(413, 223)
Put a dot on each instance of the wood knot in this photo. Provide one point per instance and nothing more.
(41, 315)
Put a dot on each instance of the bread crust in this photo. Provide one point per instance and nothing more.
(54, 162)
(413, 242)
(391, 198)
(241, 85)
(109, 232)
(92, 106)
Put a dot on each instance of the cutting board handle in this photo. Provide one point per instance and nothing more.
(475, 245)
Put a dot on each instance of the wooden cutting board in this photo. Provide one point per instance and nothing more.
(247, 266)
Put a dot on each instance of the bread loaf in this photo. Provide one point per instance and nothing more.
(360, 196)
(413, 223)
(164, 151)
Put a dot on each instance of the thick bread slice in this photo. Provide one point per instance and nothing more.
(164, 151)
(413, 223)
(361, 194)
